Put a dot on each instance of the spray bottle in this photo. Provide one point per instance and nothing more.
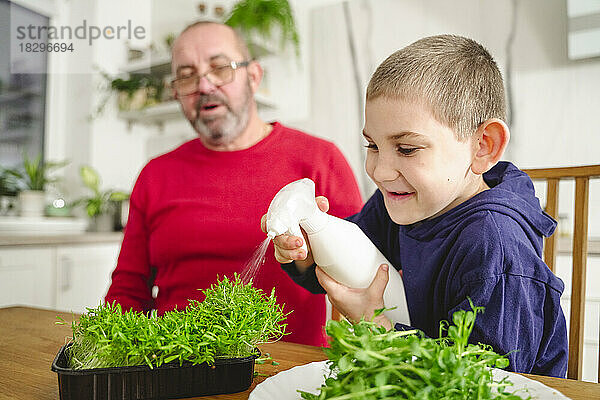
(338, 246)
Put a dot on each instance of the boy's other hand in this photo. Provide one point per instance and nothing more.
(287, 247)
(357, 303)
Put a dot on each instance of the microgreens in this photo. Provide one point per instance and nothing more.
(369, 362)
(229, 323)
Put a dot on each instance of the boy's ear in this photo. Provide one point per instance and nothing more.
(490, 141)
(255, 74)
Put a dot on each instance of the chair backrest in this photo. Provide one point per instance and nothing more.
(582, 176)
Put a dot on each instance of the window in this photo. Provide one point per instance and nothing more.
(22, 94)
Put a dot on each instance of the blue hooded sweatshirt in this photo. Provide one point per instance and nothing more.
(488, 249)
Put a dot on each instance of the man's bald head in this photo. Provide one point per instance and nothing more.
(237, 37)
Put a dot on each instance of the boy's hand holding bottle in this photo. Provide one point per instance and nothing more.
(288, 247)
(353, 303)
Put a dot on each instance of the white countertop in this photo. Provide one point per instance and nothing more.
(54, 239)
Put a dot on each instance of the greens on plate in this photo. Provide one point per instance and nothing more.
(369, 362)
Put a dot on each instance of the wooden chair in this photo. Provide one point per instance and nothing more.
(335, 314)
(582, 176)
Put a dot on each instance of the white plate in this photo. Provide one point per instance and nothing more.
(310, 377)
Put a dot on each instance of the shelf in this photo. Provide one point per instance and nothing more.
(157, 114)
(155, 64)
(160, 63)
(170, 111)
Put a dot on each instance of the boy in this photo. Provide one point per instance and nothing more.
(455, 221)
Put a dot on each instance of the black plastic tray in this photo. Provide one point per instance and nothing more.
(169, 381)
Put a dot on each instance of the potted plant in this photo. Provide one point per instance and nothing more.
(208, 348)
(8, 191)
(32, 179)
(263, 18)
(137, 92)
(100, 206)
(134, 93)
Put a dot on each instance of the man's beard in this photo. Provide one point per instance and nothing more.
(223, 129)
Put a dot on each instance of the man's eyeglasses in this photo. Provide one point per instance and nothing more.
(218, 76)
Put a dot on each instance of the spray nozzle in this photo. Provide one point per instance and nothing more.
(294, 203)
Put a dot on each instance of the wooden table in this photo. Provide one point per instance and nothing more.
(30, 339)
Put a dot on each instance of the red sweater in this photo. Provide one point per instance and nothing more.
(195, 215)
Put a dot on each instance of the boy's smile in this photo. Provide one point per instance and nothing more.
(399, 196)
(417, 162)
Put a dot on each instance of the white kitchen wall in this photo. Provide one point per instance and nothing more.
(70, 101)
(117, 149)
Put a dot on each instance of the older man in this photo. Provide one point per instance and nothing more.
(195, 212)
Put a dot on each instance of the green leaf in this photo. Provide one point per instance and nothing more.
(93, 207)
(171, 358)
(264, 17)
(458, 317)
(118, 196)
(90, 178)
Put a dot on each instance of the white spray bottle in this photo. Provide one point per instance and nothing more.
(338, 246)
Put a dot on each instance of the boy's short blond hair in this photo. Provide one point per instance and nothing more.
(454, 76)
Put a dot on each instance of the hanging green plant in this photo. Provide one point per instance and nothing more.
(261, 17)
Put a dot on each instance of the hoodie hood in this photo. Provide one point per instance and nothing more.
(511, 193)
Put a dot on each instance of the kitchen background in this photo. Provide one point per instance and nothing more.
(548, 51)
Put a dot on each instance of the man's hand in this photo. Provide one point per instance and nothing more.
(357, 303)
(287, 247)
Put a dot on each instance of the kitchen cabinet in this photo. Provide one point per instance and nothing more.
(27, 277)
(65, 277)
(83, 275)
